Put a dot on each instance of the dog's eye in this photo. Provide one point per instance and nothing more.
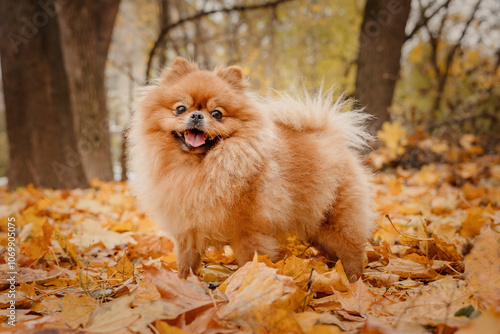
(216, 114)
(180, 110)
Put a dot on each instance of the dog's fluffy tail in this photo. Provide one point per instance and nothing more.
(319, 112)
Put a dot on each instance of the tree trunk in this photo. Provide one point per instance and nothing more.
(86, 29)
(381, 39)
(42, 143)
(164, 19)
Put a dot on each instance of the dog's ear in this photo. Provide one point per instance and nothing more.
(180, 67)
(234, 76)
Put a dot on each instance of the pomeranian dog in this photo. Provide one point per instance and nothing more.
(215, 166)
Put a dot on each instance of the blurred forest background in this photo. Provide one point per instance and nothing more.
(70, 69)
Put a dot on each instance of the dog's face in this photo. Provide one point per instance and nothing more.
(197, 108)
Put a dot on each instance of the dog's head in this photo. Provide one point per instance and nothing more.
(199, 108)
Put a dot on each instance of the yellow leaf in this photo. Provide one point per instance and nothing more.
(125, 226)
(145, 292)
(38, 247)
(486, 323)
(28, 290)
(66, 245)
(121, 271)
(474, 221)
(165, 328)
(482, 269)
(394, 137)
(76, 310)
(261, 298)
(471, 192)
(170, 260)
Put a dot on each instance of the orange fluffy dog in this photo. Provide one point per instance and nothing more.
(216, 166)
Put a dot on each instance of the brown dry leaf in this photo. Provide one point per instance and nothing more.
(20, 300)
(372, 326)
(379, 279)
(294, 267)
(38, 246)
(112, 316)
(150, 245)
(52, 322)
(304, 270)
(170, 260)
(409, 269)
(158, 309)
(47, 305)
(329, 282)
(418, 259)
(121, 271)
(215, 273)
(76, 310)
(205, 322)
(482, 269)
(90, 232)
(474, 221)
(26, 275)
(471, 192)
(66, 245)
(118, 315)
(261, 298)
(436, 302)
(358, 300)
(145, 292)
(439, 249)
(28, 290)
(187, 295)
(312, 322)
(164, 328)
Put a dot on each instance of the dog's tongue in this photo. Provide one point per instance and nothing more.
(195, 139)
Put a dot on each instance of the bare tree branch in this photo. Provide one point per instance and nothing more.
(442, 74)
(452, 52)
(199, 15)
(424, 19)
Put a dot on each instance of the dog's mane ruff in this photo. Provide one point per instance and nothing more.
(319, 111)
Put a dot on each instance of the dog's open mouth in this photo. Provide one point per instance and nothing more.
(194, 138)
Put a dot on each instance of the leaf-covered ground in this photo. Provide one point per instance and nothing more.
(89, 261)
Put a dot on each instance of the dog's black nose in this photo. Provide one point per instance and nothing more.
(196, 116)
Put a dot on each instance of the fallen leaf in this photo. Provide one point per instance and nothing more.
(260, 298)
(474, 221)
(39, 246)
(28, 290)
(90, 232)
(357, 300)
(122, 271)
(150, 245)
(410, 269)
(186, 295)
(482, 269)
(118, 314)
(486, 323)
(164, 328)
(76, 310)
(373, 326)
(145, 292)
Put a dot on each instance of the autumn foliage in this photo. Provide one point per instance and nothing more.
(89, 261)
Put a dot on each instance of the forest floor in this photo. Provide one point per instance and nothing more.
(89, 261)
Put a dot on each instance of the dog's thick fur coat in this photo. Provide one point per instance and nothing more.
(279, 166)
